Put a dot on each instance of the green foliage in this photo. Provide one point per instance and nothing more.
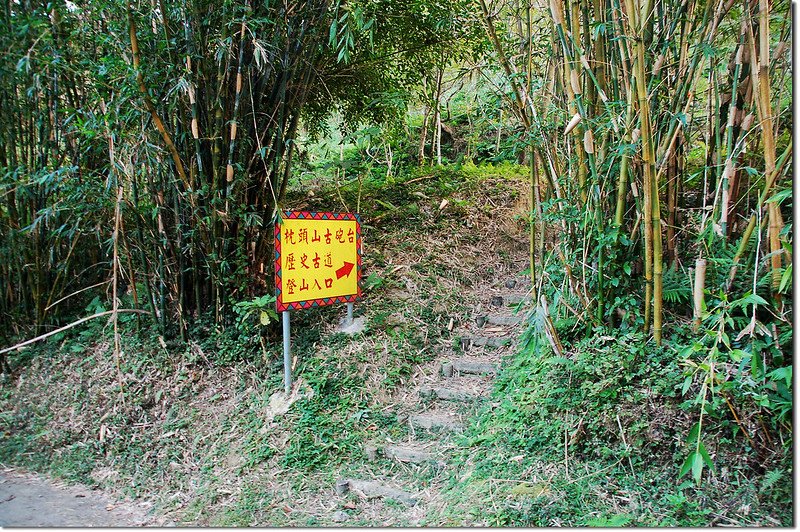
(677, 286)
(256, 313)
(722, 370)
(373, 281)
(198, 193)
(586, 394)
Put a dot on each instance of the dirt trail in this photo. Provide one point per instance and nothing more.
(28, 500)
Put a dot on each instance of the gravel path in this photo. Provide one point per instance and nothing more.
(28, 500)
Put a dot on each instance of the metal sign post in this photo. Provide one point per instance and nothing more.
(287, 353)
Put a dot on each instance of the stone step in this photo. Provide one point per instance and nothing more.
(494, 319)
(472, 367)
(443, 422)
(403, 454)
(516, 299)
(371, 489)
(488, 341)
(447, 394)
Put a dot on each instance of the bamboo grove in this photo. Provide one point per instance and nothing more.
(660, 132)
(158, 136)
(147, 147)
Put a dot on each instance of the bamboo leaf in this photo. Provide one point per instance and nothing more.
(697, 467)
(756, 366)
(706, 458)
(691, 439)
(687, 383)
(332, 33)
(737, 355)
(687, 464)
(785, 279)
(784, 374)
(778, 197)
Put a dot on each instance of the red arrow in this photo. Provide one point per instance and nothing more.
(345, 270)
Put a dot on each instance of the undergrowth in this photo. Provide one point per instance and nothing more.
(192, 425)
(595, 437)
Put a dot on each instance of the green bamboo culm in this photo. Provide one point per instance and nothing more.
(653, 266)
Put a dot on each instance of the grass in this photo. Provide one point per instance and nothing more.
(535, 493)
(595, 438)
(196, 432)
(190, 432)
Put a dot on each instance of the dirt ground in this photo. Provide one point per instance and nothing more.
(29, 500)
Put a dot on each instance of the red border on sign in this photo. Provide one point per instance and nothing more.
(312, 303)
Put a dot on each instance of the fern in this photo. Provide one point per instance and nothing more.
(771, 478)
(676, 286)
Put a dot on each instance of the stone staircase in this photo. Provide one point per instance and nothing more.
(447, 398)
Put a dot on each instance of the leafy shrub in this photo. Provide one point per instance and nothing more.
(735, 378)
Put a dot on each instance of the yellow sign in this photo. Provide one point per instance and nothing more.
(317, 259)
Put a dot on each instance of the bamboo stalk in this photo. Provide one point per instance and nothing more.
(423, 135)
(190, 89)
(505, 63)
(236, 104)
(115, 297)
(622, 179)
(775, 248)
(672, 207)
(437, 117)
(652, 212)
(768, 140)
(762, 197)
(68, 327)
(131, 274)
(180, 273)
(729, 156)
(532, 218)
(699, 293)
(167, 138)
